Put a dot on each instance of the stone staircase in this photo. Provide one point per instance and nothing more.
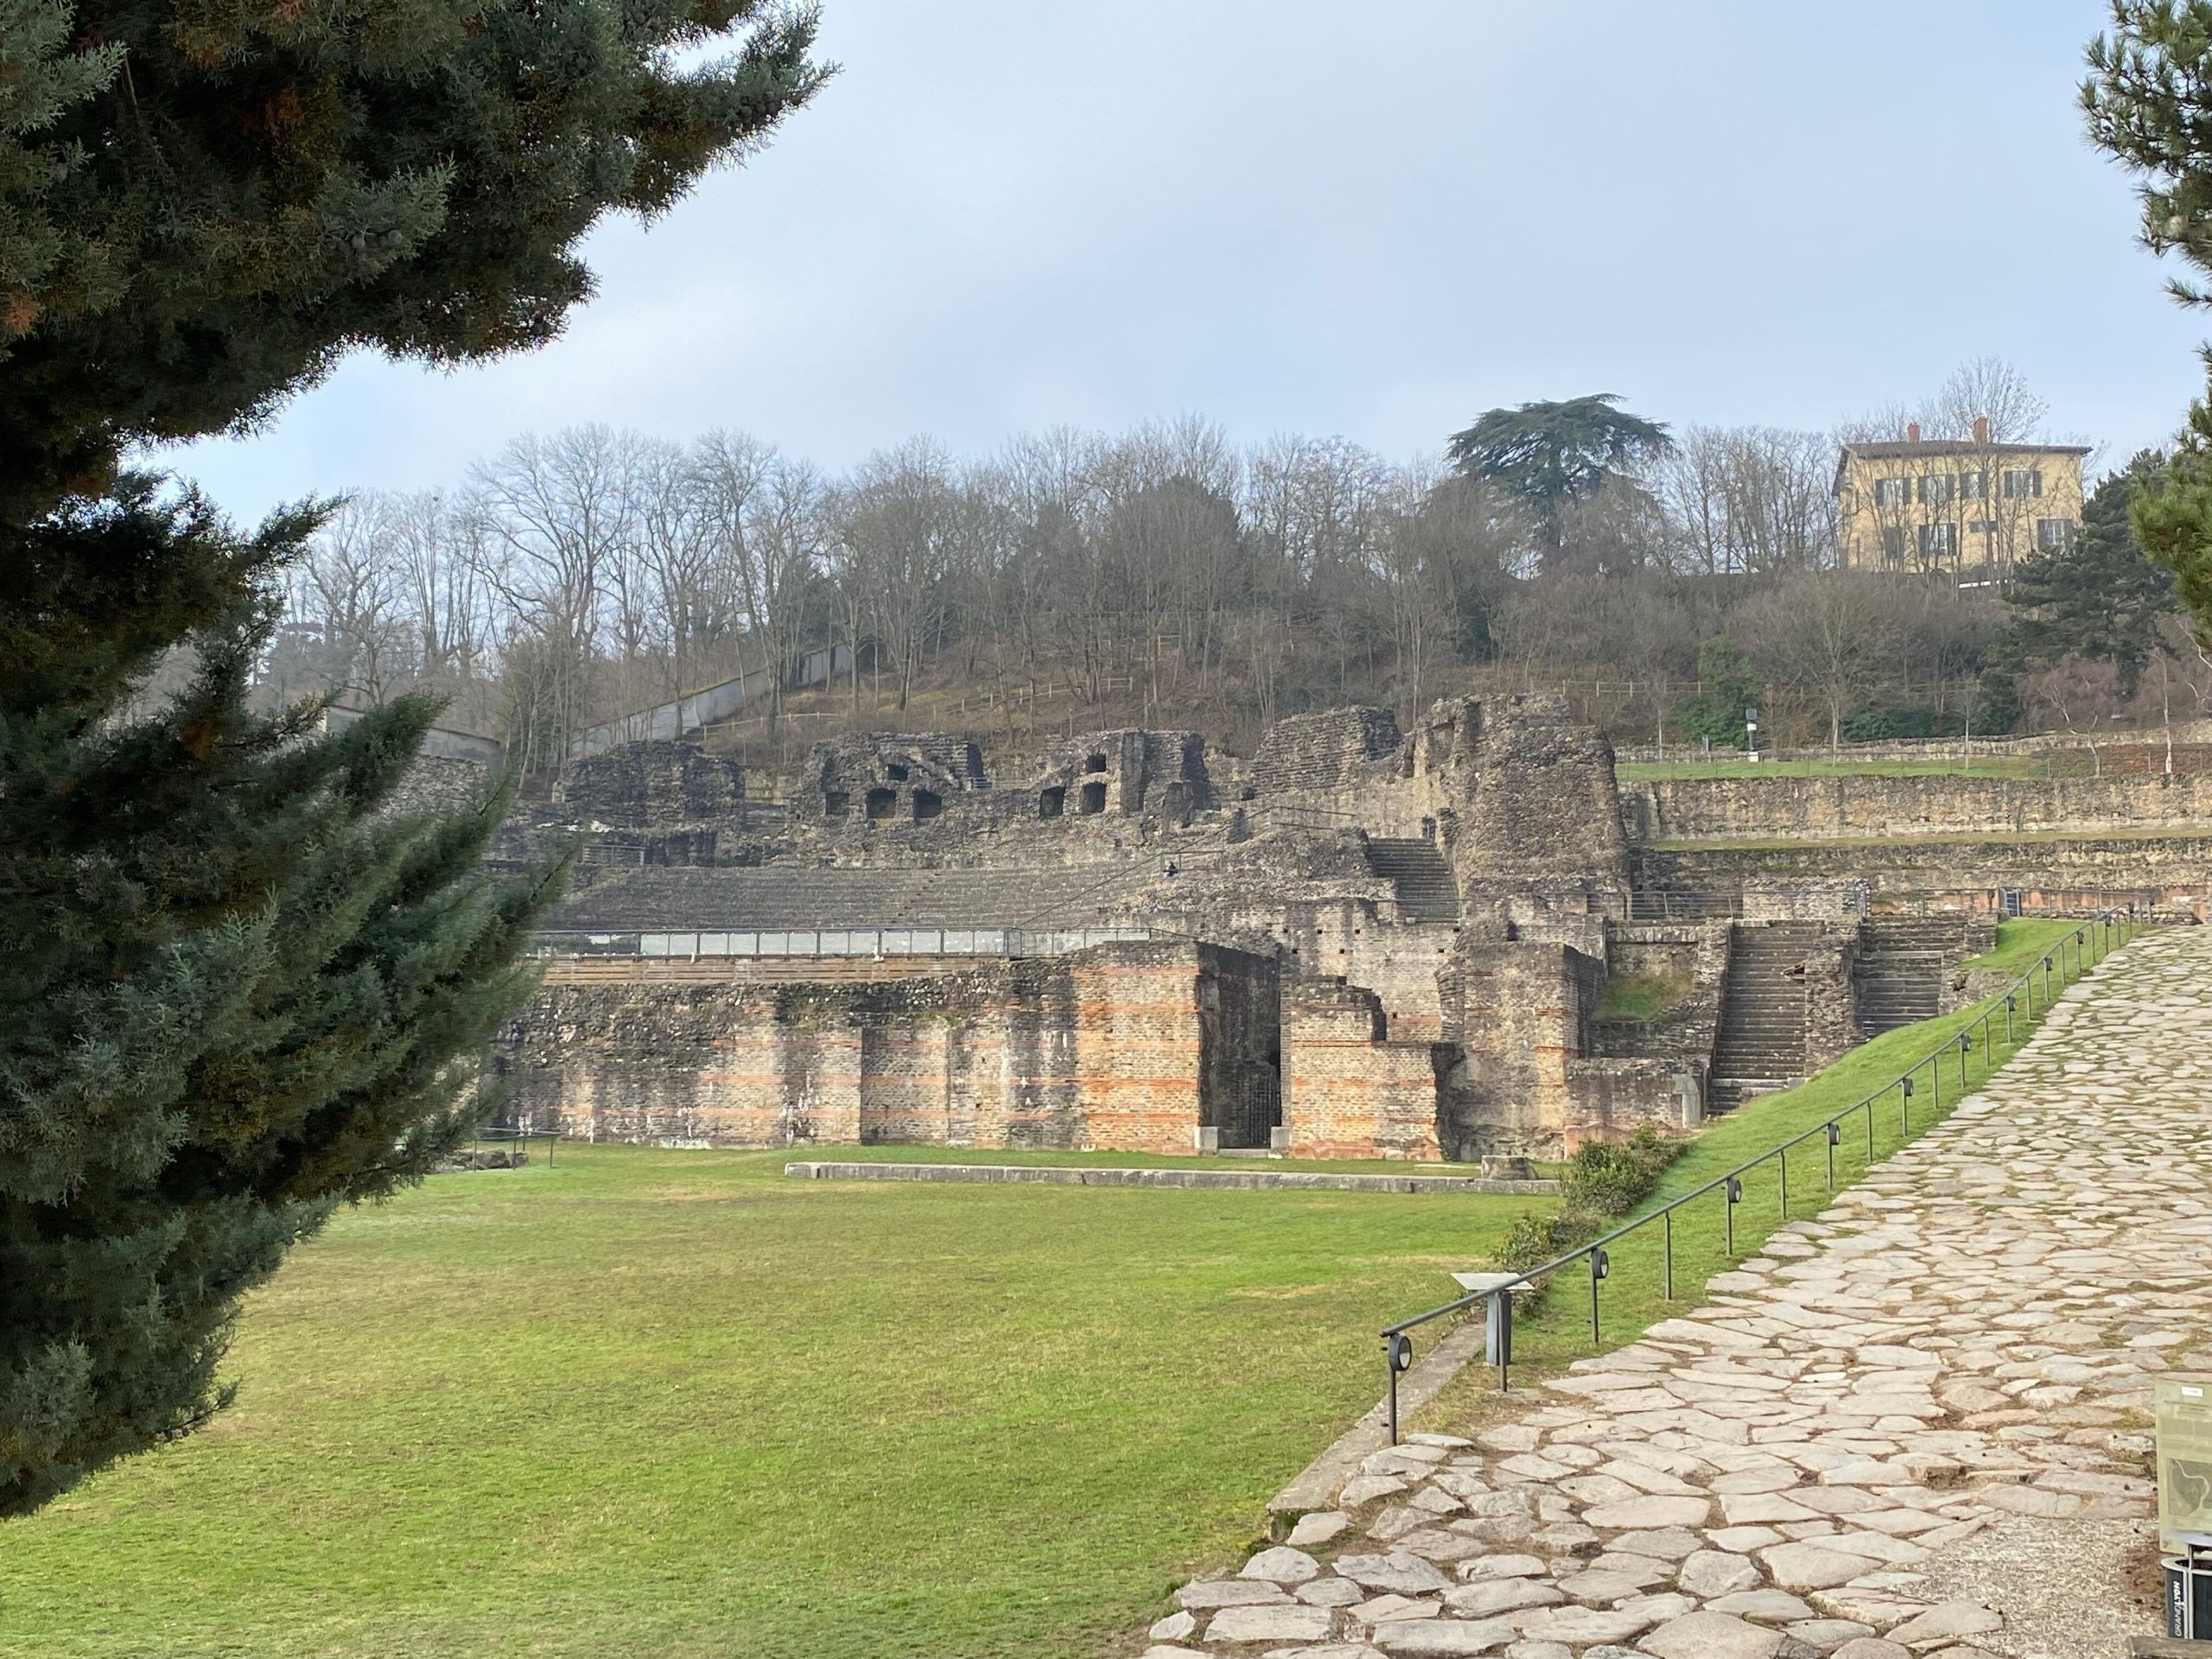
(1761, 1043)
(1903, 963)
(1901, 969)
(1426, 892)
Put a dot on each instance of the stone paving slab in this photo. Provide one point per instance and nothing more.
(1916, 1425)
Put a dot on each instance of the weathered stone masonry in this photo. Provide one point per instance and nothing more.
(1124, 1047)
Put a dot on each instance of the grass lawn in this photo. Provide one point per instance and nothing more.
(1631, 1298)
(1639, 997)
(671, 1403)
(2068, 765)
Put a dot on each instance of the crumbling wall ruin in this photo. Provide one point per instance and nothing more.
(1424, 919)
(654, 785)
(1125, 1047)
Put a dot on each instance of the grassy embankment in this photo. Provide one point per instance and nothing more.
(1631, 1298)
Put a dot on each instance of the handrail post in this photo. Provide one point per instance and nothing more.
(1784, 1158)
(1599, 1264)
(1667, 1268)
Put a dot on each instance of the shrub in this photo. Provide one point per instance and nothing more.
(1604, 1181)
(1611, 1177)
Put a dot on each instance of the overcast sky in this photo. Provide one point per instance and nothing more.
(1373, 221)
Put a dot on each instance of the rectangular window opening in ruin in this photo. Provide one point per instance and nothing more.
(927, 805)
(1094, 798)
(881, 803)
(895, 772)
(835, 804)
(1051, 803)
(1095, 763)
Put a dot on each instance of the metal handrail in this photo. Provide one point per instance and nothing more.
(2114, 929)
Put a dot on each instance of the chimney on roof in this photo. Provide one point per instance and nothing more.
(1912, 431)
(1981, 429)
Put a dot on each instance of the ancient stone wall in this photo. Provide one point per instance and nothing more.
(1518, 1011)
(439, 784)
(2060, 874)
(1324, 754)
(1610, 1099)
(1119, 1047)
(1529, 790)
(1693, 955)
(1831, 1005)
(1798, 809)
(654, 786)
(1348, 1092)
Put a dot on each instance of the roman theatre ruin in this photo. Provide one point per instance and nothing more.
(1361, 942)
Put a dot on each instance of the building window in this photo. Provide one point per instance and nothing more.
(2021, 484)
(1892, 492)
(1974, 486)
(1982, 527)
(1935, 490)
(2053, 534)
(1892, 546)
(1938, 543)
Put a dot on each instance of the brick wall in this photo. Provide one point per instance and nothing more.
(1119, 1047)
(1347, 1091)
(1520, 1012)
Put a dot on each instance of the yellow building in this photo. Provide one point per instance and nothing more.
(1965, 506)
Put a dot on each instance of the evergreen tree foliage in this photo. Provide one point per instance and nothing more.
(243, 982)
(1728, 685)
(2100, 598)
(2149, 102)
(204, 207)
(1552, 455)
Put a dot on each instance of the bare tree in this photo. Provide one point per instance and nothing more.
(1823, 635)
(556, 514)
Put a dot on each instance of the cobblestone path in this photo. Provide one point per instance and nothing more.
(1913, 1426)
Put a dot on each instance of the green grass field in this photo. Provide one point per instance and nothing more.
(672, 1404)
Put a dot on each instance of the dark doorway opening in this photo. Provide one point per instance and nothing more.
(1051, 803)
(926, 804)
(1094, 798)
(1251, 1109)
(881, 803)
